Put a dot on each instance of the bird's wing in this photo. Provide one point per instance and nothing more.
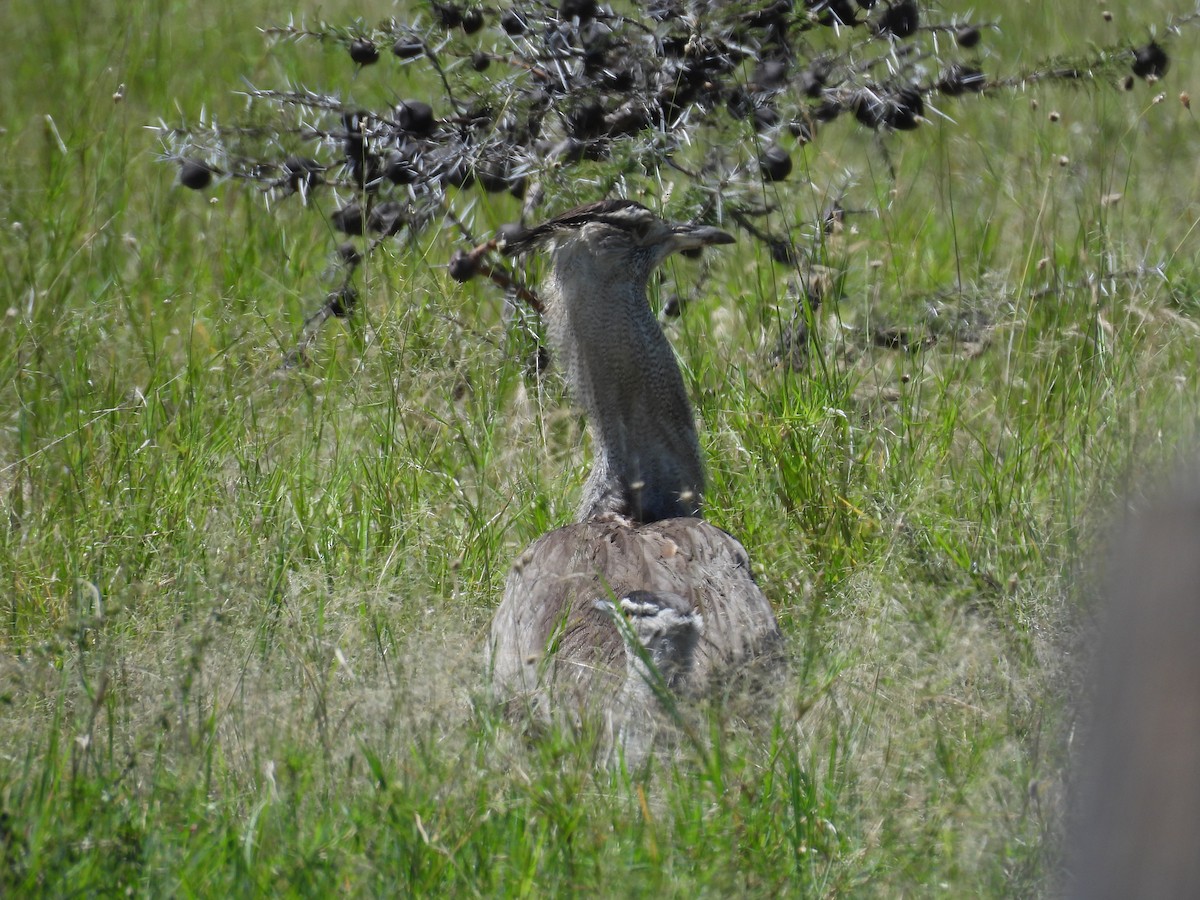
(547, 624)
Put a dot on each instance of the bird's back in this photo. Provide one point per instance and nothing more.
(548, 634)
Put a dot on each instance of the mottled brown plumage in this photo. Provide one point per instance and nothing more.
(548, 629)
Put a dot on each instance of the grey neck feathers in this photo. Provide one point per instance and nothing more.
(621, 369)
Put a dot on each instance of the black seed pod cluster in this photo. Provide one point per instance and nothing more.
(1150, 61)
(899, 20)
(363, 52)
(559, 99)
(967, 36)
(775, 163)
(195, 174)
(961, 79)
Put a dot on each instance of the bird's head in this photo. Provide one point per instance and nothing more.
(664, 623)
(621, 234)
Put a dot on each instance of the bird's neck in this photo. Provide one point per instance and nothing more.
(622, 371)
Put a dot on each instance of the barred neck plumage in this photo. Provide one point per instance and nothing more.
(618, 363)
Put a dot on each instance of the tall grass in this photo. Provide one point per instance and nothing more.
(243, 608)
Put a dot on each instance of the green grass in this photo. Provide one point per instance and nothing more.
(242, 610)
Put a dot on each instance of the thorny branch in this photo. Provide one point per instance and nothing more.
(705, 104)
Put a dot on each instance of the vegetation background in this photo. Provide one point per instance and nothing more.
(243, 608)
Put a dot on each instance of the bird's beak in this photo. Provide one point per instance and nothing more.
(701, 235)
(691, 239)
(605, 606)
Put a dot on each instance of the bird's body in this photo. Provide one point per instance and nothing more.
(548, 631)
(640, 546)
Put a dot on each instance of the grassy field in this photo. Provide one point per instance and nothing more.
(242, 609)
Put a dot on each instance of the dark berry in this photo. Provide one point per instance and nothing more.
(770, 74)
(967, 36)
(628, 119)
(363, 52)
(386, 218)
(869, 108)
(586, 121)
(739, 103)
(960, 79)
(829, 110)
(458, 175)
(195, 174)
(774, 163)
(408, 48)
(812, 79)
(416, 117)
(400, 169)
(342, 301)
(783, 251)
(472, 20)
(447, 15)
(1150, 61)
(577, 9)
(512, 23)
(904, 109)
(801, 130)
(765, 118)
(570, 150)
(619, 78)
(837, 12)
(349, 254)
(349, 220)
(538, 362)
(480, 61)
(463, 266)
(302, 174)
(899, 20)
(492, 174)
